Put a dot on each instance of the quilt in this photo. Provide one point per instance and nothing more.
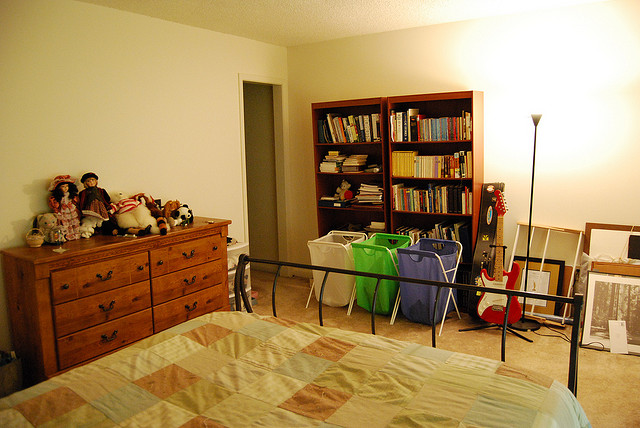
(241, 370)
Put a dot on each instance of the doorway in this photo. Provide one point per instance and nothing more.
(261, 171)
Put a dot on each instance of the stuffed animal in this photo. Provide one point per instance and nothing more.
(168, 209)
(155, 211)
(182, 216)
(132, 213)
(343, 191)
(89, 225)
(48, 224)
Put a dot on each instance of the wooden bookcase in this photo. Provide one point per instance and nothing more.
(399, 218)
(331, 217)
(449, 123)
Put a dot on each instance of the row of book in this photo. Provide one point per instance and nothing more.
(452, 231)
(446, 199)
(410, 125)
(349, 129)
(406, 163)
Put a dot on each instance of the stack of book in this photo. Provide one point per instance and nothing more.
(354, 163)
(332, 162)
(369, 194)
(375, 227)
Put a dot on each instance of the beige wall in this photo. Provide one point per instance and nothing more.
(579, 66)
(148, 105)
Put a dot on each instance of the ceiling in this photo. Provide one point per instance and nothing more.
(297, 22)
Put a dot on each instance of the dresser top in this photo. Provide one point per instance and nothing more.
(201, 226)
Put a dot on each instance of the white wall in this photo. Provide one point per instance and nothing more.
(579, 66)
(146, 104)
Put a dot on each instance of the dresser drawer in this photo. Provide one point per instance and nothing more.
(85, 280)
(183, 282)
(98, 340)
(186, 254)
(93, 310)
(190, 306)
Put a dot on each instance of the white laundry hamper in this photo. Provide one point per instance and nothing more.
(334, 250)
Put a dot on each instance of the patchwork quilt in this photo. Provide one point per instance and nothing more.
(242, 370)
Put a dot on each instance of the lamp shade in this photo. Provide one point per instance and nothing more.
(536, 119)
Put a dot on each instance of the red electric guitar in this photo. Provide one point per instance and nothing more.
(492, 306)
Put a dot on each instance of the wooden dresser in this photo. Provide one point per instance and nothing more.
(106, 292)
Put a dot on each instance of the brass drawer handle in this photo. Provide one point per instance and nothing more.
(107, 309)
(106, 338)
(106, 278)
(141, 267)
(188, 256)
(193, 280)
(65, 286)
(160, 262)
(215, 247)
(190, 308)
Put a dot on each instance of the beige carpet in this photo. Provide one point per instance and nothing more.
(607, 383)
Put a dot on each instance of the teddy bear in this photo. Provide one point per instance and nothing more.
(168, 209)
(48, 224)
(155, 211)
(343, 191)
(133, 213)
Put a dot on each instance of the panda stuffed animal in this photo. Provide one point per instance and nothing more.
(182, 216)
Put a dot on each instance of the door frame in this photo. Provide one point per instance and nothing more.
(280, 118)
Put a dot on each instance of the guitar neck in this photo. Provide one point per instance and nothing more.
(498, 268)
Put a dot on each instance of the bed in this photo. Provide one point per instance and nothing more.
(242, 369)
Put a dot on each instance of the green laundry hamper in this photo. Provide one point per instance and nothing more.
(378, 255)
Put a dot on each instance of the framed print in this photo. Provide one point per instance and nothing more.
(611, 297)
(546, 281)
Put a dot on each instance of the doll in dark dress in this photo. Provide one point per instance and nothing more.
(94, 200)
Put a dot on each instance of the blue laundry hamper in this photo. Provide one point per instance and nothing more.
(432, 259)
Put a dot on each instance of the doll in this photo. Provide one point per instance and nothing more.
(64, 202)
(94, 200)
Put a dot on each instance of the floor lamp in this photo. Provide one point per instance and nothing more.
(527, 324)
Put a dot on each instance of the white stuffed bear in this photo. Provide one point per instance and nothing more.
(48, 224)
(131, 213)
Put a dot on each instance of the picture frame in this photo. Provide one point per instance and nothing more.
(547, 281)
(611, 297)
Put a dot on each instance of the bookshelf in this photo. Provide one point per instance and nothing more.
(349, 129)
(436, 165)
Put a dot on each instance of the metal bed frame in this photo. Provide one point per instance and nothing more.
(577, 301)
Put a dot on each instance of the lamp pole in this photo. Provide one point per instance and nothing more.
(526, 324)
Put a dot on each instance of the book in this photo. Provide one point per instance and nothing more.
(367, 128)
(331, 125)
(334, 202)
(375, 126)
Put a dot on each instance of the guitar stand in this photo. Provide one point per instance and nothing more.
(492, 325)
(509, 329)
